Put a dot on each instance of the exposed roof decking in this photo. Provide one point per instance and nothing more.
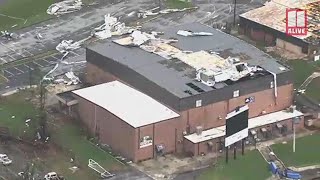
(173, 75)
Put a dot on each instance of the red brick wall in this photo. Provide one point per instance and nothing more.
(86, 112)
(116, 133)
(257, 35)
(165, 133)
(269, 39)
(145, 152)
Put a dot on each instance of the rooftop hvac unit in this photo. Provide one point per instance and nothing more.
(199, 130)
(292, 109)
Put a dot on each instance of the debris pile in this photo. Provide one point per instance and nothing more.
(190, 33)
(8, 35)
(64, 7)
(112, 27)
(67, 45)
(210, 67)
(145, 14)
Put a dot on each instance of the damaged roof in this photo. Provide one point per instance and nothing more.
(176, 76)
(273, 15)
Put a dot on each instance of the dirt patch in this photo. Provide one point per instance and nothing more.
(284, 53)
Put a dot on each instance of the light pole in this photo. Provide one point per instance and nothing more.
(295, 120)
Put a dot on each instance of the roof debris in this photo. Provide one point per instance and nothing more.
(64, 7)
(67, 45)
(112, 27)
(190, 33)
(145, 14)
(210, 67)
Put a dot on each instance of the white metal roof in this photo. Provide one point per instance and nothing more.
(130, 105)
(252, 123)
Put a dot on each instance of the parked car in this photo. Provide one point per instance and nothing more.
(53, 176)
(4, 159)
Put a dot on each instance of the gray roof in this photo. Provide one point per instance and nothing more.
(174, 74)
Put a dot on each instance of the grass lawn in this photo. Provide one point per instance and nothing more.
(31, 10)
(307, 151)
(71, 139)
(313, 89)
(251, 166)
(301, 70)
(179, 4)
(21, 109)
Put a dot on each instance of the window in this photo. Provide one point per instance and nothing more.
(236, 93)
(198, 103)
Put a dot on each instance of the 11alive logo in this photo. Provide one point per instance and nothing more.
(296, 22)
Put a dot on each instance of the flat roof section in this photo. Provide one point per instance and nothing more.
(273, 14)
(174, 75)
(130, 105)
(252, 123)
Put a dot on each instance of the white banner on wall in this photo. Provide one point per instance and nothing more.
(145, 141)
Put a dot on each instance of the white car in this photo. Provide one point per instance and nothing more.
(51, 176)
(4, 159)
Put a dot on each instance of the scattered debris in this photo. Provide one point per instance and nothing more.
(112, 27)
(12, 117)
(145, 14)
(46, 78)
(52, 175)
(132, 13)
(14, 25)
(190, 33)
(5, 160)
(28, 120)
(64, 7)
(67, 45)
(95, 166)
(39, 36)
(7, 35)
(73, 78)
(74, 169)
(305, 84)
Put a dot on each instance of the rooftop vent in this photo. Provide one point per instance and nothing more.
(196, 88)
(188, 92)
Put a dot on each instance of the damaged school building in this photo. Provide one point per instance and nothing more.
(268, 24)
(170, 92)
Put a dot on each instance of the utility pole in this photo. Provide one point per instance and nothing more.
(294, 138)
(234, 13)
(295, 120)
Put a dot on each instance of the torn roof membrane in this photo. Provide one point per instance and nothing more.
(173, 74)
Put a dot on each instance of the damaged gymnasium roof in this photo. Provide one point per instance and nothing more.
(176, 76)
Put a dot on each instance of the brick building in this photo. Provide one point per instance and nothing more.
(201, 109)
(268, 24)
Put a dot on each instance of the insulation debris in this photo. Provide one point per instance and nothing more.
(137, 38)
(190, 33)
(67, 45)
(145, 14)
(64, 7)
(8, 35)
(112, 27)
(74, 80)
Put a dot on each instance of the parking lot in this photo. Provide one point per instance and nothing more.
(24, 68)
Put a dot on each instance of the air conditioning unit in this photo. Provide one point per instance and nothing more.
(199, 130)
(292, 108)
